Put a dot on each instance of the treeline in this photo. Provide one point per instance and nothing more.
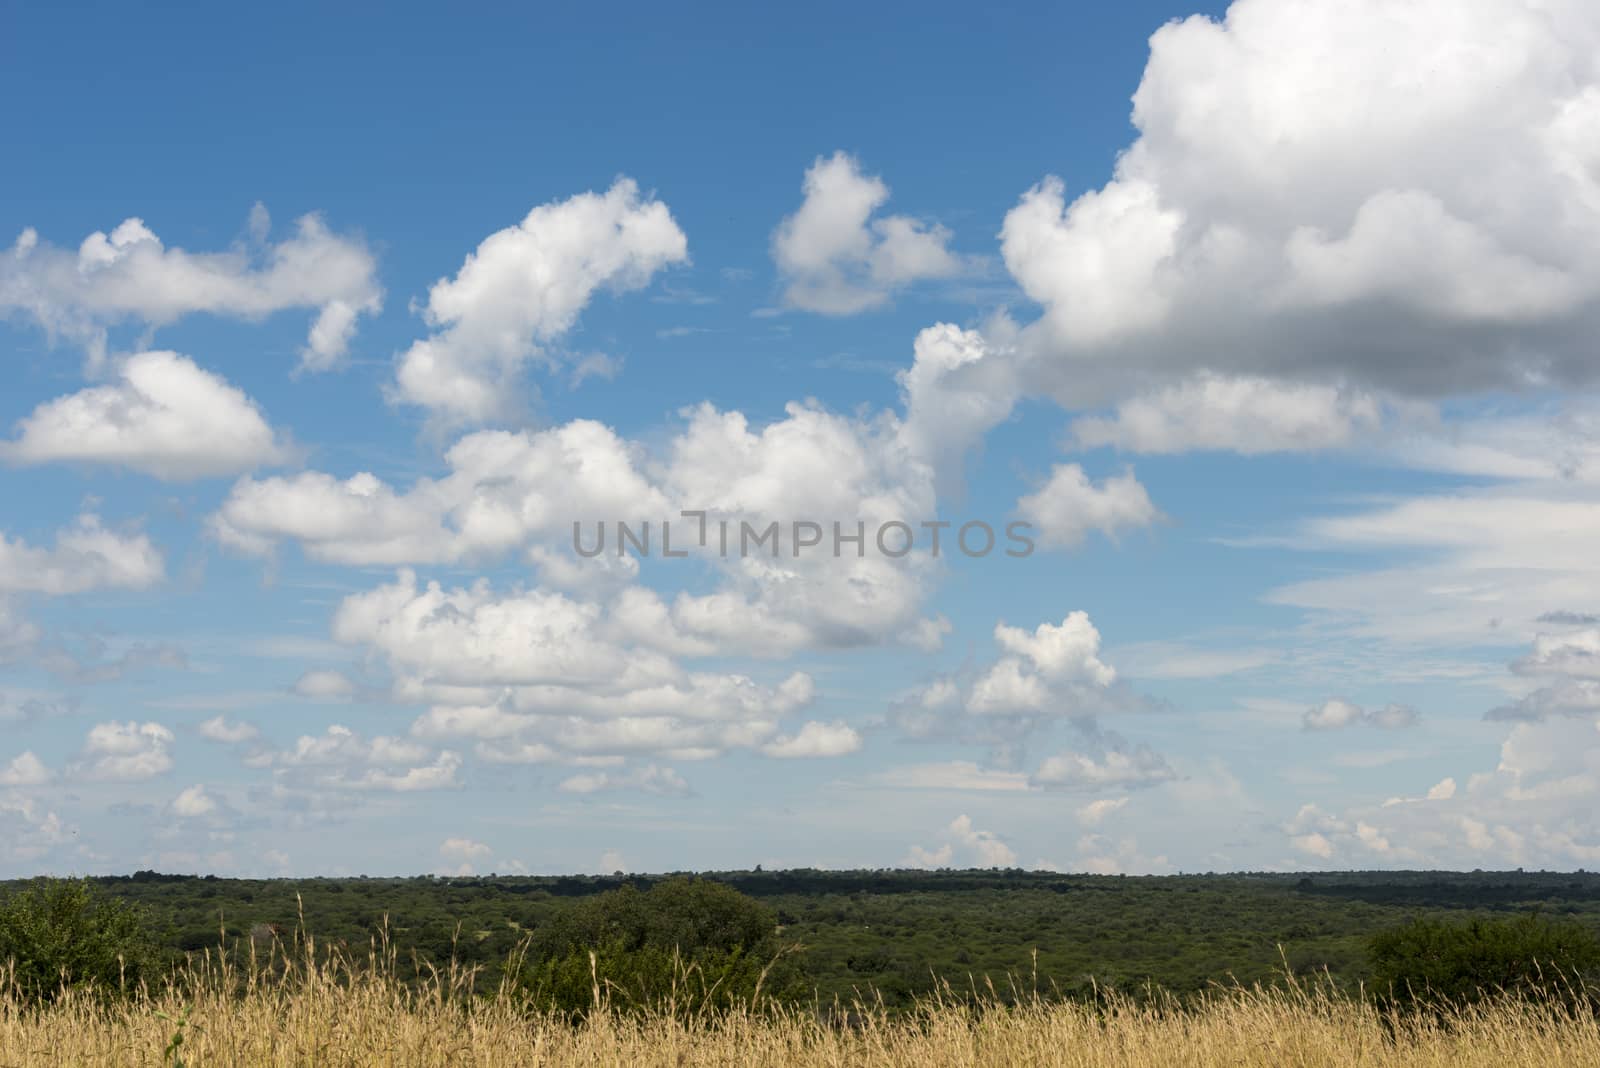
(895, 932)
(692, 947)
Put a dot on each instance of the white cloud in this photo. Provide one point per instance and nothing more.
(323, 685)
(960, 385)
(164, 416)
(523, 288)
(650, 779)
(124, 752)
(86, 556)
(1573, 654)
(510, 493)
(17, 634)
(544, 677)
(816, 739)
(340, 761)
(194, 803)
(129, 275)
(1247, 415)
(1337, 713)
(464, 849)
(1067, 507)
(502, 490)
(219, 729)
(474, 637)
(1314, 843)
(951, 775)
(1485, 564)
(835, 258)
(1096, 812)
(1537, 802)
(1066, 651)
(1261, 226)
(985, 848)
(1050, 674)
(339, 746)
(1119, 769)
(25, 769)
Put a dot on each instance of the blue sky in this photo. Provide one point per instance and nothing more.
(324, 327)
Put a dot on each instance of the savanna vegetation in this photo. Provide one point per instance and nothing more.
(805, 968)
(894, 932)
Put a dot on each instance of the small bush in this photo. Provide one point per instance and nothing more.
(1429, 962)
(684, 945)
(59, 934)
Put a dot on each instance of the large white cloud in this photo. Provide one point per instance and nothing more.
(523, 288)
(129, 275)
(164, 416)
(1342, 197)
(524, 492)
(503, 491)
(834, 257)
(538, 677)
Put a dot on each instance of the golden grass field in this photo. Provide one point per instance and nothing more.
(337, 1014)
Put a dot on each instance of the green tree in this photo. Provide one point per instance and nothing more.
(1444, 964)
(687, 945)
(61, 933)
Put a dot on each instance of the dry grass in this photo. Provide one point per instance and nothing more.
(340, 1012)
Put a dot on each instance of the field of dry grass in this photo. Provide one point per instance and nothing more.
(320, 1014)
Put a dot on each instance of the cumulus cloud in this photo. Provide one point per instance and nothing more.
(85, 556)
(523, 288)
(324, 685)
(535, 676)
(341, 762)
(1338, 244)
(129, 275)
(960, 385)
(1128, 770)
(1537, 801)
(502, 490)
(523, 492)
(834, 257)
(1067, 507)
(1043, 668)
(194, 803)
(163, 416)
(1246, 415)
(1096, 812)
(985, 848)
(1574, 654)
(124, 752)
(1337, 713)
(464, 849)
(816, 740)
(220, 729)
(25, 769)
(1053, 673)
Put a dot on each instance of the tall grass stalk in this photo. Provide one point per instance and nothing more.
(303, 1004)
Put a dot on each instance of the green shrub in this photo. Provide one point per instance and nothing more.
(685, 945)
(60, 934)
(1429, 962)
